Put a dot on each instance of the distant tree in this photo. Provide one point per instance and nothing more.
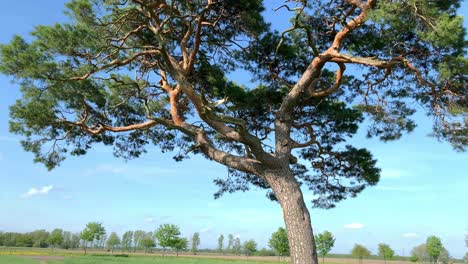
(237, 247)
(419, 253)
(75, 241)
(56, 238)
(433, 248)
(220, 243)
(195, 242)
(279, 242)
(127, 239)
(40, 238)
(444, 256)
(230, 243)
(264, 252)
(360, 252)
(465, 258)
(113, 241)
(167, 235)
(137, 237)
(250, 247)
(147, 242)
(385, 251)
(324, 243)
(181, 243)
(93, 231)
(101, 241)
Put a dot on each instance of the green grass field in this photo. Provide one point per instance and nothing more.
(129, 260)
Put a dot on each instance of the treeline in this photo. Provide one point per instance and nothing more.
(41, 239)
(168, 237)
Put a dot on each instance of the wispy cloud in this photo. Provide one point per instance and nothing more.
(107, 168)
(38, 191)
(392, 173)
(354, 226)
(205, 230)
(410, 235)
(401, 188)
(148, 220)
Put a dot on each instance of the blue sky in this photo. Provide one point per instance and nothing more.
(423, 190)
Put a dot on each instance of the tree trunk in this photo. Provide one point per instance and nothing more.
(296, 216)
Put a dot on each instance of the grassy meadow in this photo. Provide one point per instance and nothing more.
(5, 259)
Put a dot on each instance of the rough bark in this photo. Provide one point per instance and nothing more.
(296, 216)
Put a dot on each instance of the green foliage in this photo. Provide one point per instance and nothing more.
(444, 256)
(168, 235)
(56, 237)
(220, 243)
(360, 252)
(250, 247)
(385, 251)
(324, 243)
(127, 239)
(237, 247)
(195, 242)
(419, 253)
(100, 71)
(93, 231)
(180, 243)
(147, 242)
(434, 248)
(279, 242)
(113, 241)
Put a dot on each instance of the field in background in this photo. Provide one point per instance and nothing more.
(47, 256)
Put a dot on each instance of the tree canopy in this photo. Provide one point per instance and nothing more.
(325, 242)
(135, 73)
(279, 242)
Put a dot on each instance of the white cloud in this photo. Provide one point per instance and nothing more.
(38, 191)
(109, 169)
(354, 226)
(401, 188)
(237, 236)
(392, 173)
(149, 220)
(410, 235)
(205, 230)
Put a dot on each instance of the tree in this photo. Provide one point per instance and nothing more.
(56, 238)
(279, 242)
(250, 247)
(137, 237)
(180, 243)
(444, 256)
(433, 248)
(93, 231)
(230, 243)
(324, 242)
(167, 235)
(385, 251)
(360, 252)
(220, 243)
(147, 242)
(419, 253)
(40, 238)
(465, 258)
(237, 247)
(127, 239)
(134, 73)
(195, 242)
(113, 241)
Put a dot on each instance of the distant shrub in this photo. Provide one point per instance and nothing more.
(121, 255)
(414, 258)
